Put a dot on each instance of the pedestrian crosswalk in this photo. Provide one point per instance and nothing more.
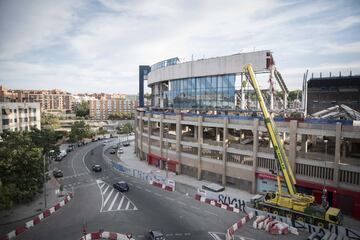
(112, 199)
(222, 236)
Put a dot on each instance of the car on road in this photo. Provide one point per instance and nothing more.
(113, 151)
(114, 147)
(57, 173)
(155, 235)
(70, 148)
(126, 144)
(96, 168)
(121, 186)
(120, 150)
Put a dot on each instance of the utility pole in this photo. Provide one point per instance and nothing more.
(44, 159)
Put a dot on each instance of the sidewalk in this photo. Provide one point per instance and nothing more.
(184, 183)
(19, 214)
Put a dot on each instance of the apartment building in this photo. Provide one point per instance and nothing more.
(17, 116)
(50, 100)
(102, 108)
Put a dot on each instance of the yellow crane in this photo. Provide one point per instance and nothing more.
(293, 205)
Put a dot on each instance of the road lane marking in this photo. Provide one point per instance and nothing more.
(102, 185)
(108, 197)
(182, 203)
(72, 164)
(121, 201)
(169, 198)
(83, 159)
(157, 194)
(105, 190)
(112, 203)
(127, 205)
(195, 207)
(211, 213)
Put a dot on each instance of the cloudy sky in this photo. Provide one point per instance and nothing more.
(97, 45)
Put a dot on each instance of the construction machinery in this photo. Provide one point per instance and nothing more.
(291, 204)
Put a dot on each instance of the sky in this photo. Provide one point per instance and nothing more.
(97, 45)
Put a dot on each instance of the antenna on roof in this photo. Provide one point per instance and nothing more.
(340, 74)
(350, 73)
(320, 74)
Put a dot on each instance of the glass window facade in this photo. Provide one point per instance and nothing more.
(203, 92)
(165, 63)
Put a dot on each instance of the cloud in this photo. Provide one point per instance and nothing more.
(28, 25)
(83, 46)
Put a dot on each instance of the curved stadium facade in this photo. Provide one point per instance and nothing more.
(234, 150)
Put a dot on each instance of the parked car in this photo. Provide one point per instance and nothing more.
(114, 147)
(213, 187)
(96, 168)
(70, 148)
(57, 173)
(80, 144)
(121, 186)
(126, 144)
(113, 151)
(120, 150)
(155, 235)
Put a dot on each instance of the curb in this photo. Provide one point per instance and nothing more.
(107, 235)
(217, 204)
(29, 224)
(162, 186)
(230, 232)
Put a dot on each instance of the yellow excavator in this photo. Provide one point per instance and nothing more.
(291, 204)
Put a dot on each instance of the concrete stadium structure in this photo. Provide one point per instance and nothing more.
(235, 150)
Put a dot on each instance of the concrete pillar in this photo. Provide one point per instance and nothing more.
(225, 146)
(149, 132)
(337, 153)
(200, 142)
(178, 143)
(196, 133)
(141, 128)
(217, 133)
(304, 143)
(242, 93)
(255, 151)
(293, 140)
(136, 124)
(161, 133)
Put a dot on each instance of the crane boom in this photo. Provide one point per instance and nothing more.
(279, 150)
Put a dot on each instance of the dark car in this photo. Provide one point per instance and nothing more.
(155, 235)
(126, 144)
(58, 158)
(122, 186)
(96, 168)
(80, 144)
(113, 151)
(70, 148)
(57, 173)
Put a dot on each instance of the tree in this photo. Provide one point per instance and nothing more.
(79, 131)
(102, 131)
(127, 128)
(46, 139)
(21, 168)
(49, 121)
(121, 116)
(82, 109)
(294, 95)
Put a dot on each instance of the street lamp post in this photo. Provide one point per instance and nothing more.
(44, 173)
(44, 159)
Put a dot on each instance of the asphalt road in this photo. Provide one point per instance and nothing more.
(96, 205)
